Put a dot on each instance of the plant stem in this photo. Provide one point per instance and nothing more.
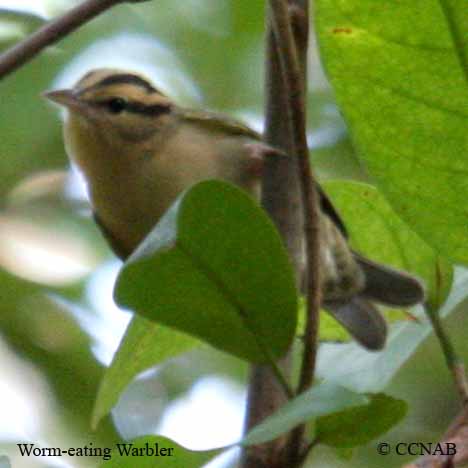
(287, 49)
(454, 362)
(281, 198)
(52, 32)
(297, 109)
(295, 84)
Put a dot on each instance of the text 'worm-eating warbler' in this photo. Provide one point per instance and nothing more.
(138, 151)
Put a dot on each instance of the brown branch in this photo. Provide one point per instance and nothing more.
(52, 32)
(297, 108)
(281, 198)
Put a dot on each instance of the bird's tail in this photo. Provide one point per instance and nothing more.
(389, 286)
(384, 285)
(362, 320)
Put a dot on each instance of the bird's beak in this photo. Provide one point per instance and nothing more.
(67, 98)
(64, 97)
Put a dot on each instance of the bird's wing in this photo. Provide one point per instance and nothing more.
(223, 124)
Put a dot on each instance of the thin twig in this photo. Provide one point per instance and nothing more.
(297, 109)
(281, 379)
(454, 362)
(52, 32)
(459, 377)
(306, 450)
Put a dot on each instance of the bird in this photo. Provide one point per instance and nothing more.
(138, 151)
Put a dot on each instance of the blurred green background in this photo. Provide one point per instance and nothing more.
(59, 327)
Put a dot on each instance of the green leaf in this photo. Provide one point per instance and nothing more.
(400, 73)
(379, 233)
(345, 454)
(361, 424)
(15, 25)
(330, 329)
(151, 451)
(363, 371)
(337, 160)
(322, 399)
(145, 344)
(215, 268)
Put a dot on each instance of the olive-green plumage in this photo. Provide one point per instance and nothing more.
(138, 151)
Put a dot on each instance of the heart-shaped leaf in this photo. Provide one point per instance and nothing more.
(215, 267)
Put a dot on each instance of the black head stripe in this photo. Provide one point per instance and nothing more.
(127, 78)
(136, 107)
(151, 110)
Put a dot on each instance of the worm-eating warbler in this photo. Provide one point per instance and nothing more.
(138, 151)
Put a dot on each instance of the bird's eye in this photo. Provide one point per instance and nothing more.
(116, 105)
